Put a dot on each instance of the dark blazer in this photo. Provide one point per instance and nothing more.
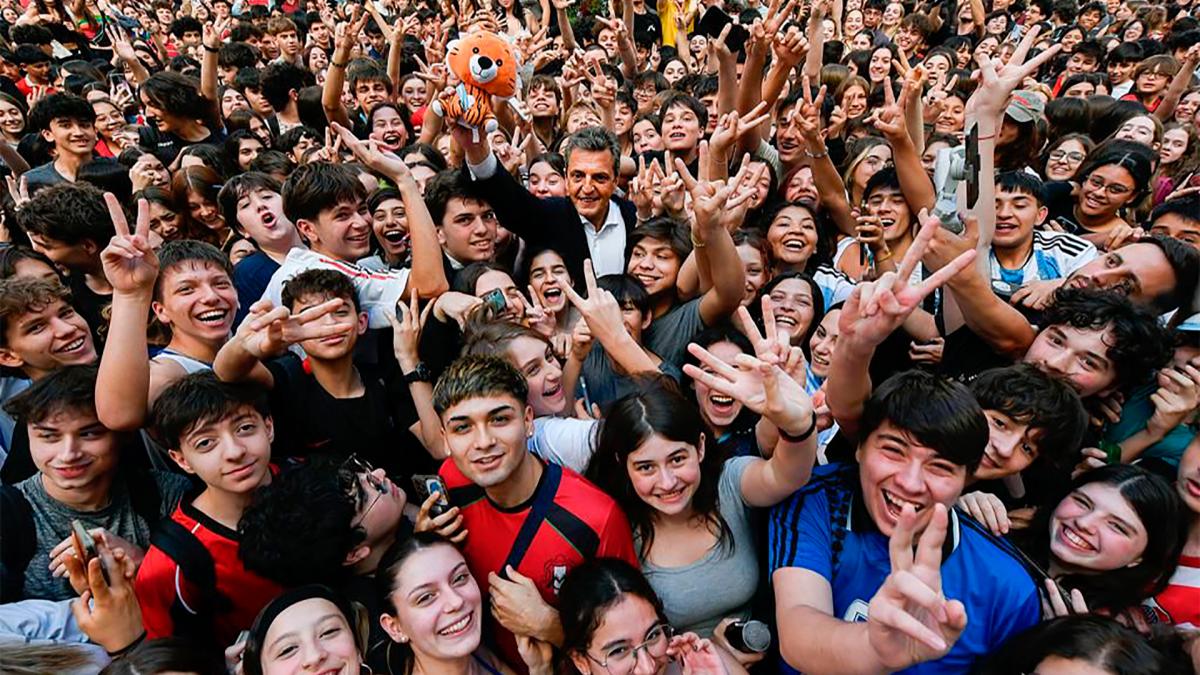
(552, 222)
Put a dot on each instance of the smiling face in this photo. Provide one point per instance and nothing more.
(311, 636)
(792, 236)
(468, 231)
(755, 267)
(1140, 271)
(654, 263)
(1011, 447)
(1016, 215)
(794, 307)
(486, 436)
(952, 116)
(47, 338)
(1095, 529)
(853, 22)
(73, 452)
(854, 101)
(625, 625)
(896, 470)
(12, 122)
(880, 65)
(387, 127)
(1138, 129)
(1077, 356)
(889, 205)
(74, 136)
(717, 409)
(1106, 190)
(548, 276)
(198, 300)
(1065, 159)
(545, 181)
(681, 129)
(590, 182)
(389, 222)
(342, 231)
(438, 604)
(337, 346)
(537, 363)
(230, 454)
(823, 342)
(665, 473)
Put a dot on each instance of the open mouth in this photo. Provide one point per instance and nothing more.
(795, 245)
(552, 294)
(786, 321)
(213, 317)
(895, 505)
(268, 219)
(458, 627)
(1074, 540)
(677, 136)
(488, 462)
(646, 279)
(821, 361)
(1192, 486)
(553, 391)
(393, 139)
(721, 404)
(72, 346)
(672, 496)
(396, 237)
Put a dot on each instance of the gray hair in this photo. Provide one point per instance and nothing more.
(593, 139)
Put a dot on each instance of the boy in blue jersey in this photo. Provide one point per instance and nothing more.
(851, 596)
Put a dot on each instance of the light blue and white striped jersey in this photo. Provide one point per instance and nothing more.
(1055, 255)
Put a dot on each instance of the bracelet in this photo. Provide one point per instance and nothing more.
(812, 426)
(335, 64)
(986, 138)
(812, 156)
(128, 648)
(696, 244)
(211, 49)
(885, 255)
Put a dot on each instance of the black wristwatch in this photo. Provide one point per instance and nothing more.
(421, 373)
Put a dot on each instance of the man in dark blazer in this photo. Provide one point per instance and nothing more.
(588, 223)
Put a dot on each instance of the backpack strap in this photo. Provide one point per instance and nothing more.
(19, 535)
(194, 620)
(543, 499)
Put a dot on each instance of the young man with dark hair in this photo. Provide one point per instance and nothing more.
(281, 85)
(466, 224)
(40, 332)
(1179, 219)
(1159, 272)
(68, 124)
(220, 433)
(84, 472)
(1085, 59)
(186, 30)
(36, 64)
(232, 58)
(327, 202)
(1119, 66)
(499, 485)
(70, 225)
(683, 120)
(251, 203)
(298, 141)
(842, 605)
(1027, 262)
(326, 403)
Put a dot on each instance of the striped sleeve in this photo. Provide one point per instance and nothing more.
(799, 532)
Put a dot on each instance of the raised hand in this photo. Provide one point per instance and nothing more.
(997, 82)
(1176, 399)
(368, 152)
(121, 45)
(600, 309)
(889, 120)
(540, 319)
(406, 331)
(909, 621)
(808, 115)
(776, 347)
(876, 308)
(712, 201)
(733, 127)
(129, 263)
(790, 47)
(760, 385)
(697, 655)
(268, 330)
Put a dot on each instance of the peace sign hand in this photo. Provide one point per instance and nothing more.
(876, 308)
(129, 262)
(269, 330)
(407, 325)
(600, 309)
(909, 620)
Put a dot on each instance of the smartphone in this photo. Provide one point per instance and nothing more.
(496, 300)
(87, 548)
(428, 484)
(972, 167)
(714, 21)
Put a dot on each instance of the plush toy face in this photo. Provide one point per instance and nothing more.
(485, 60)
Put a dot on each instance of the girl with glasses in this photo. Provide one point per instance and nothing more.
(614, 624)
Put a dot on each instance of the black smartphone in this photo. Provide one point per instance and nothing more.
(428, 484)
(87, 548)
(714, 21)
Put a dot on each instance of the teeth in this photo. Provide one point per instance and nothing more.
(1075, 539)
(456, 626)
(899, 503)
(75, 344)
(721, 400)
(215, 315)
(787, 320)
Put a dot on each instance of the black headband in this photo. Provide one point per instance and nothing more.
(252, 662)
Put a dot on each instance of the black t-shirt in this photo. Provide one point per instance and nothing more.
(373, 426)
(167, 146)
(92, 306)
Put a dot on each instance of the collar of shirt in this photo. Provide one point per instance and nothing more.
(612, 219)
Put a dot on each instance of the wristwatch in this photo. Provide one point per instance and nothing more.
(421, 373)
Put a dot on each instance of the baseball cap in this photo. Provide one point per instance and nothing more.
(1025, 106)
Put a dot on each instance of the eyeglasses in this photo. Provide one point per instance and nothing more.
(1060, 155)
(356, 466)
(623, 659)
(1113, 189)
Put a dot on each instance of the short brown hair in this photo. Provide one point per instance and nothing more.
(280, 24)
(19, 295)
(478, 375)
(329, 283)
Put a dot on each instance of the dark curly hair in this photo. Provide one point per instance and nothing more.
(1139, 345)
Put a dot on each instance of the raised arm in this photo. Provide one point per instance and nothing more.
(602, 314)
(816, 41)
(713, 245)
(208, 66)
(1179, 84)
(335, 79)
(564, 24)
(828, 181)
(130, 265)
(124, 51)
(891, 121)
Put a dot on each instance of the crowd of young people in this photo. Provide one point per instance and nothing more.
(871, 327)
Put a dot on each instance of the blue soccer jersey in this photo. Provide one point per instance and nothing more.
(825, 528)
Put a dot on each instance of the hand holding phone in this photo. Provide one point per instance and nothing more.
(86, 548)
(430, 484)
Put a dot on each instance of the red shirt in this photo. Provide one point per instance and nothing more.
(1179, 603)
(582, 523)
(160, 582)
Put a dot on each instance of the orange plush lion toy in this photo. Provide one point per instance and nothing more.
(486, 65)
